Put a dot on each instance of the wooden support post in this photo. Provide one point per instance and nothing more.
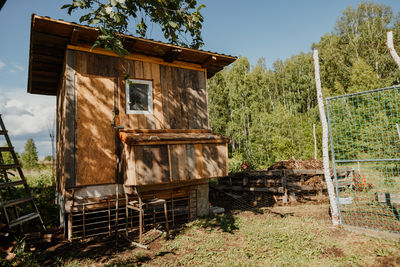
(109, 217)
(398, 130)
(70, 224)
(325, 153)
(84, 223)
(172, 207)
(116, 211)
(166, 218)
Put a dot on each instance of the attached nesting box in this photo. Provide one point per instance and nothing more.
(142, 119)
(164, 156)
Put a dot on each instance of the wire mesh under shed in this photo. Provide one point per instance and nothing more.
(365, 138)
(286, 181)
(91, 217)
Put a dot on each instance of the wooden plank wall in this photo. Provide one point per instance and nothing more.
(95, 145)
(179, 95)
(176, 163)
(179, 102)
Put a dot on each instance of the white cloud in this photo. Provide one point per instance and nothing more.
(26, 115)
(19, 67)
(2, 64)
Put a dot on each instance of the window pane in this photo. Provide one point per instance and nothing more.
(138, 97)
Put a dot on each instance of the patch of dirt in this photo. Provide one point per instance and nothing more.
(387, 261)
(297, 164)
(333, 252)
(337, 233)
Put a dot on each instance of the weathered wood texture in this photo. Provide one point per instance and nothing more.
(179, 95)
(93, 101)
(96, 159)
(158, 164)
(69, 119)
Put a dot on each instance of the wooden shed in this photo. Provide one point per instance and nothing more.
(140, 121)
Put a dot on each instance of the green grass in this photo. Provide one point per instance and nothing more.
(268, 240)
(299, 235)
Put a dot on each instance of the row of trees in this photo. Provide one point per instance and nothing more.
(29, 158)
(269, 113)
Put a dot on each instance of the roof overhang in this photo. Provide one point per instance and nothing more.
(50, 39)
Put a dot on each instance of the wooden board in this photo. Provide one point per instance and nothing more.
(96, 160)
(179, 171)
(184, 102)
(214, 160)
(151, 165)
(159, 164)
(69, 130)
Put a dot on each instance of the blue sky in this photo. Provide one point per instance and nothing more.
(254, 28)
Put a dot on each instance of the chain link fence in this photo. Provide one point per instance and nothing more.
(365, 145)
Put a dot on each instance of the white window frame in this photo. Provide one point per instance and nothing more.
(149, 95)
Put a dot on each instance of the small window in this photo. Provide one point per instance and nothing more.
(139, 97)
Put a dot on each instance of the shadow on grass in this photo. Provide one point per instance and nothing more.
(226, 222)
(97, 250)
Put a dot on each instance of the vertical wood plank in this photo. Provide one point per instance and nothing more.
(138, 151)
(130, 165)
(207, 169)
(157, 96)
(193, 97)
(148, 75)
(169, 147)
(160, 164)
(175, 100)
(198, 150)
(191, 162)
(179, 162)
(148, 165)
(184, 83)
(70, 122)
(166, 88)
(203, 100)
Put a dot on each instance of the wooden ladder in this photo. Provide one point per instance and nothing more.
(6, 186)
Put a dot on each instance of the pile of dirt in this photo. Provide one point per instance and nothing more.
(311, 164)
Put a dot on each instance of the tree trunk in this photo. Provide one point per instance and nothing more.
(325, 153)
(315, 142)
(392, 51)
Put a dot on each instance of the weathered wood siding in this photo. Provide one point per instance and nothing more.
(95, 138)
(158, 164)
(179, 95)
(93, 99)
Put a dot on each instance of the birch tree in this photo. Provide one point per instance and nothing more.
(325, 153)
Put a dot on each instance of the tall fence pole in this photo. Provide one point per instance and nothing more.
(325, 152)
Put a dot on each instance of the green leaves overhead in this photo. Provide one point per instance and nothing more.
(180, 20)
